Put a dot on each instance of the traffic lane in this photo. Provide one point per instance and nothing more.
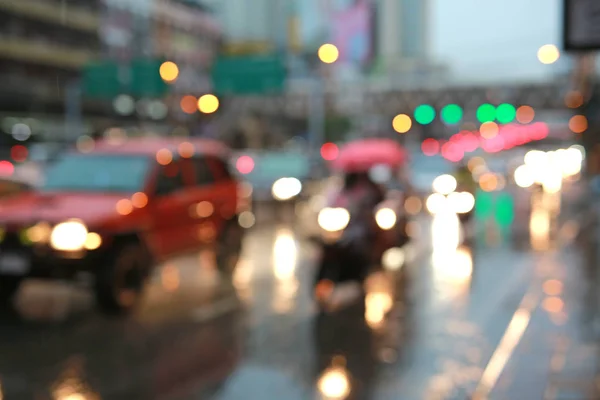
(190, 326)
(436, 342)
(60, 348)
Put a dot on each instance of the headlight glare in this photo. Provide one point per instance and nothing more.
(333, 219)
(69, 236)
(385, 218)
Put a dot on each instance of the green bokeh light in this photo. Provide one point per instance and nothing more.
(452, 114)
(486, 113)
(505, 209)
(506, 113)
(484, 204)
(424, 114)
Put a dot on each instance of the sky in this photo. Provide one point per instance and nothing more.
(494, 39)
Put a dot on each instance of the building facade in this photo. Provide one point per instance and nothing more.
(43, 46)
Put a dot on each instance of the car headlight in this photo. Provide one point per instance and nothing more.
(385, 218)
(461, 202)
(444, 184)
(69, 236)
(286, 188)
(333, 219)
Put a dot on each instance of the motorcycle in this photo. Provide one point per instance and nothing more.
(351, 244)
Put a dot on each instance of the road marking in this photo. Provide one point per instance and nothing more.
(512, 337)
(214, 310)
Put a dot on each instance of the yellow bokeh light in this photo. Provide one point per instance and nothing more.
(402, 123)
(525, 114)
(548, 54)
(578, 124)
(489, 130)
(328, 53)
(92, 241)
(169, 71)
(208, 103)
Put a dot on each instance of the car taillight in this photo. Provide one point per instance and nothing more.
(245, 164)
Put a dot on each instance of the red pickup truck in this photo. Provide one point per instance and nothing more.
(117, 211)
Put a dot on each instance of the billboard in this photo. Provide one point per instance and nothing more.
(581, 25)
(352, 31)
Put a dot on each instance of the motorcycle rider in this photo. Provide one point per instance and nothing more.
(359, 195)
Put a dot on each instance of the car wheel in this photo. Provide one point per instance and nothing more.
(9, 286)
(120, 281)
(229, 247)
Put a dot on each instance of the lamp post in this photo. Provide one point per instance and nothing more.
(328, 54)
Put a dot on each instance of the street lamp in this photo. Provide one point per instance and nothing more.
(328, 54)
(548, 54)
(208, 103)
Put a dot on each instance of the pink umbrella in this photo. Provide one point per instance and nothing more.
(362, 155)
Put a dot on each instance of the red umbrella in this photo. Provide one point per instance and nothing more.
(362, 155)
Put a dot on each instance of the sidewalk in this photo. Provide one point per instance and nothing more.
(558, 356)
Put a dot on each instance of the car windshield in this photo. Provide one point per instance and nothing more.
(97, 173)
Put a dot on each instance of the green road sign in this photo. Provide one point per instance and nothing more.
(101, 79)
(146, 80)
(107, 79)
(249, 74)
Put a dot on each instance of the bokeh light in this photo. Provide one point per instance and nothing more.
(164, 156)
(486, 113)
(488, 182)
(452, 114)
(188, 104)
(329, 151)
(424, 114)
(525, 114)
(578, 124)
(139, 200)
(402, 123)
(208, 103)
(574, 99)
(328, 53)
(245, 164)
(548, 54)
(6, 168)
(124, 207)
(19, 153)
(186, 149)
(489, 130)
(430, 147)
(85, 144)
(169, 71)
(506, 113)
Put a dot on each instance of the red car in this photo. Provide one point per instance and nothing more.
(119, 210)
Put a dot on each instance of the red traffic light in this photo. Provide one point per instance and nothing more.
(329, 151)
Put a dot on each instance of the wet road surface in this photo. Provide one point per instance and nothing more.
(490, 319)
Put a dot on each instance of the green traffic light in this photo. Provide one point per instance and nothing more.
(452, 114)
(424, 114)
(506, 113)
(505, 209)
(484, 204)
(486, 113)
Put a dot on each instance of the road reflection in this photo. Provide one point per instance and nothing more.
(285, 257)
(452, 262)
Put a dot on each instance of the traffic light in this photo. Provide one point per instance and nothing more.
(424, 114)
(505, 209)
(506, 113)
(486, 113)
(452, 114)
(329, 151)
